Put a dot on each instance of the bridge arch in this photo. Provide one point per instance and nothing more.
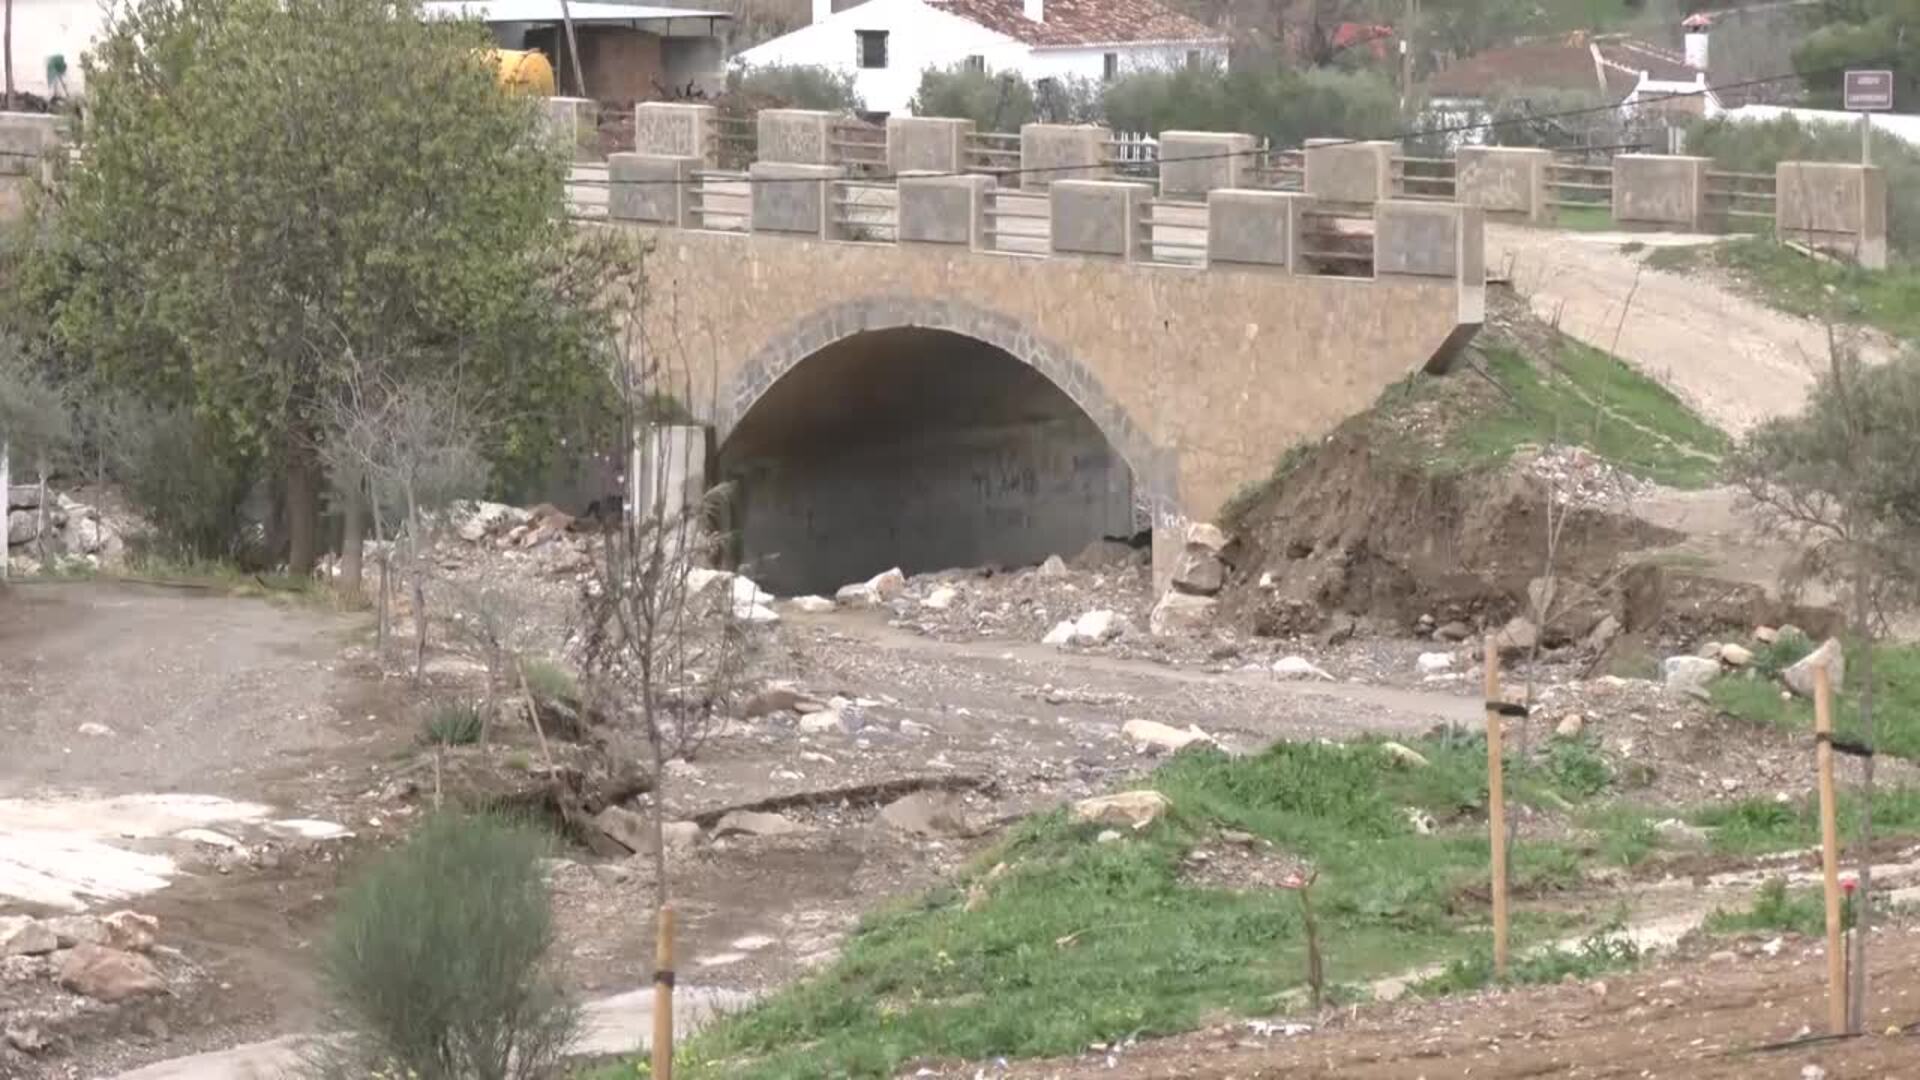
(926, 433)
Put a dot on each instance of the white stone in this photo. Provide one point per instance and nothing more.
(1688, 674)
(1405, 755)
(1765, 635)
(1134, 809)
(941, 598)
(1570, 726)
(474, 520)
(887, 584)
(1060, 635)
(1152, 734)
(94, 729)
(812, 605)
(1096, 627)
(699, 578)
(1735, 655)
(749, 599)
(1799, 677)
(752, 823)
(23, 936)
(1298, 667)
(1053, 567)
(1433, 663)
(1207, 535)
(823, 723)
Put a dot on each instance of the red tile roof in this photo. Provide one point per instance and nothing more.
(1560, 64)
(1084, 22)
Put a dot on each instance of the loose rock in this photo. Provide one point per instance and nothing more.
(72, 930)
(23, 936)
(1735, 655)
(825, 722)
(1133, 809)
(1206, 536)
(941, 598)
(1765, 635)
(1405, 755)
(1570, 726)
(812, 605)
(1433, 663)
(1060, 635)
(1299, 667)
(1453, 631)
(1098, 627)
(1517, 638)
(1199, 572)
(628, 829)
(924, 814)
(752, 823)
(1053, 567)
(1799, 677)
(1151, 734)
(109, 975)
(131, 930)
(1682, 835)
(1688, 674)
(1180, 613)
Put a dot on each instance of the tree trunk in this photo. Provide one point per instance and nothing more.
(6, 496)
(303, 506)
(386, 584)
(419, 575)
(353, 540)
(1862, 897)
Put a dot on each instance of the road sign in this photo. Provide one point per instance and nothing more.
(1868, 90)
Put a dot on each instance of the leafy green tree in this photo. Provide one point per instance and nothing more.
(1284, 104)
(997, 101)
(271, 193)
(1861, 34)
(793, 86)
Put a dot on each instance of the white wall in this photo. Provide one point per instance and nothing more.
(1090, 62)
(1903, 126)
(42, 28)
(918, 37)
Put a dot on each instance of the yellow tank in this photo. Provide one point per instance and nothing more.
(527, 71)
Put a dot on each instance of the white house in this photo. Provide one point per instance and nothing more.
(50, 34)
(886, 44)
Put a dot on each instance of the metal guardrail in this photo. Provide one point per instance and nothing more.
(1575, 185)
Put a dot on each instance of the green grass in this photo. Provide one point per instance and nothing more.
(1896, 676)
(1792, 282)
(1758, 826)
(1599, 953)
(452, 723)
(549, 681)
(1596, 218)
(1775, 909)
(1588, 398)
(1079, 941)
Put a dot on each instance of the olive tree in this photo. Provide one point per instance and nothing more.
(270, 194)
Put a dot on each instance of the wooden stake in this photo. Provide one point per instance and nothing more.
(663, 998)
(1496, 809)
(1829, 851)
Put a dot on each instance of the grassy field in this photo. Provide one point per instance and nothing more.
(1896, 678)
(1785, 279)
(1583, 397)
(1057, 939)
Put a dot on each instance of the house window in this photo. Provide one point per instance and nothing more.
(1109, 66)
(873, 48)
(975, 63)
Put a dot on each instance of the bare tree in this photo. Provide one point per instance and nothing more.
(415, 446)
(665, 638)
(1842, 480)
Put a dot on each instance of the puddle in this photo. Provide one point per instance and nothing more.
(71, 854)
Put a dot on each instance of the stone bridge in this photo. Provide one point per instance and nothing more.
(889, 379)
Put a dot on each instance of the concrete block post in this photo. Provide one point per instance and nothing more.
(927, 144)
(652, 188)
(1436, 240)
(1254, 228)
(1063, 152)
(1194, 163)
(1657, 189)
(1833, 206)
(27, 145)
(673, 129)
(1339, 171)
(795, 136)
(944, 210)
(1098, 217)
(791, 198)
(668, 474)
(1507, 182)
(575, 124)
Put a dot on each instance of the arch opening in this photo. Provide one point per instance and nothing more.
(918, 448)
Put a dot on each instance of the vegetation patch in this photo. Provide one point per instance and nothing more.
(1603, 951)
(1783, 278)
(1896, 677)
(1058, 939)
(1775, 909)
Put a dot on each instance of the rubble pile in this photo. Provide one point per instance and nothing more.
(59, 530)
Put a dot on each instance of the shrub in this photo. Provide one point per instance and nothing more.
(1785, 650)
(1285, 105)
(1001, 101)
(794, 86)
(1774, 909)
(1575, 766)
(186, 481)
(548, 681)
(454, 723)
(437, 958)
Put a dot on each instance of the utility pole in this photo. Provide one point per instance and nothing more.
(573, 47)
(6, 47)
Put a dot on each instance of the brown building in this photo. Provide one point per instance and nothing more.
(628, 52)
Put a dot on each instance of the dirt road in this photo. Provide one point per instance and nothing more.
(1734, 360)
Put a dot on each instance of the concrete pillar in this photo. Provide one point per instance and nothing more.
(1658, 189)
(795, 136)
(653, 188)
(676, 130)
(1098, 217)
(1440, 240)
(1506, 182)
(790, 198)
(1254, 228)
(669, 472)
(1193, 163)
(1350, 172)
(1063, 152)
(575, 123)
(27, 145)
(927, 144)
(1833, 206)
(944, 210)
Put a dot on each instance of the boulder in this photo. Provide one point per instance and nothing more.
(1738, 656)
(1603, 633)
(754, 823)
(1433, 663)
(750, 601)
(22, 526)
(1570, 726)
(473, 521)
(1053, 567)
(1405, 755)
(23, 936)
(700, 578)
(131, 930)
(824, 722)
(1453, 631)
(1799, 677)
(812, 605)
(1517, 638)
(1180, 613)
(1199, 572)
(874, 591)
(1765, 635)
(1207, 537)
(941, 598)
(1061, 635)
(1133, 809)
(1689, 674)
(1299, 667)
(924, 814)
(1708, 650)
(1154, 735)
(22, 497)
(74, 930)
(626, 828)
(109, 975)
(1098, 627)
(888, 583)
